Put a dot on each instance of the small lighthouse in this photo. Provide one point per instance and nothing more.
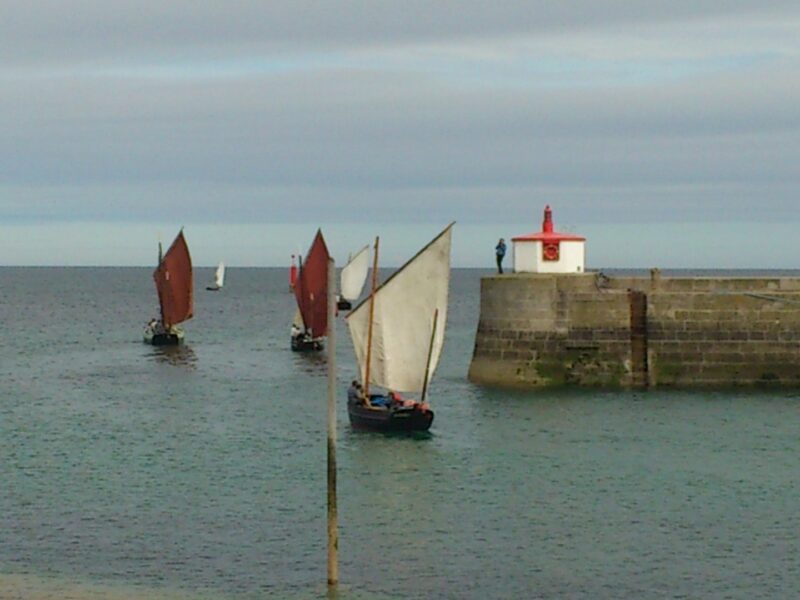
(549, 251)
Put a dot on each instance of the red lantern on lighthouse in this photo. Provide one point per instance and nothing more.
(550, 251)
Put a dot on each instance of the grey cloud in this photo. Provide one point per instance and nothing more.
(56, 32)
(354, 141)
(359, 131)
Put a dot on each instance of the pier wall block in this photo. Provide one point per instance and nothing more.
(576, 329)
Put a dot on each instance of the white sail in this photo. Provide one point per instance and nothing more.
(297, 321)
(354, 274)
(403, 320)
(219, 276)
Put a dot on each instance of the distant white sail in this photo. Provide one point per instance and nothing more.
(354, 274)
(219, 276)
(403, 320)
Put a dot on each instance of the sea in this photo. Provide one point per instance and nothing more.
(128, 471)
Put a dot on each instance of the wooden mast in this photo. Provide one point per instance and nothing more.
(299, 296)
(158, 290)
(371, 316)
(333, 517)
(430, 353)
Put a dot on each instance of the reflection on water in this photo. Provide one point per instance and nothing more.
(313, 363)
(400, 435)
(180, 355)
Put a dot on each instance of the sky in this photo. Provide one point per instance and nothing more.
(666, 132)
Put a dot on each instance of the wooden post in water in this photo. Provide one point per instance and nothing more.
(333, 517)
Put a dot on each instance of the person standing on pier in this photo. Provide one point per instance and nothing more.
(500, 252)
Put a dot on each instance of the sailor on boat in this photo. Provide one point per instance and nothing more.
(303, 339)
(355, 395)
(388, 401)
(153, 327)
(156, 327)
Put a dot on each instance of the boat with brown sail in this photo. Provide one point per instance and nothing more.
(310, 324)
(398, 336)
(175, 286)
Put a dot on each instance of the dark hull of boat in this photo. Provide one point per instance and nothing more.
(344, 305)
(165, 339)
(390, 420)
(213, 288)
(306, 345)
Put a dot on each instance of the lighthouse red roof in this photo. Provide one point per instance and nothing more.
(547, 234)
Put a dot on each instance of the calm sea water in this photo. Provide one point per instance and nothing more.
(128, 471)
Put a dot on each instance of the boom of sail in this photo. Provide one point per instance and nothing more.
(354, 274)
(408, 323)
(311, 287)
(175, 284)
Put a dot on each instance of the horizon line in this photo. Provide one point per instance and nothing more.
(475, 268)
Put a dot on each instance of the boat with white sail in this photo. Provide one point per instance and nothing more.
(352, 278)
(398, 334)
(219, 278)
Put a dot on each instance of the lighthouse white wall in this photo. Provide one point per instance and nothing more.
(528, 257)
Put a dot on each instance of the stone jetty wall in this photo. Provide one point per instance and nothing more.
(590, 330)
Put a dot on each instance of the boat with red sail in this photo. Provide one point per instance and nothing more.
(310, 324)
(175, 286)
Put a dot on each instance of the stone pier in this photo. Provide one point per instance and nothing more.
(590, 330)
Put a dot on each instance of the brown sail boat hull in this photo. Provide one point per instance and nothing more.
(166, 339)
(157, 337)
(301, 345)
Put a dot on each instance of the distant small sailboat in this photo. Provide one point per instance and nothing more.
(175, 286)
(311, 292)
(398, 336)
(219, 278)
(353, 277)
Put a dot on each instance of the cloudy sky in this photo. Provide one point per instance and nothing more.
(667, 132)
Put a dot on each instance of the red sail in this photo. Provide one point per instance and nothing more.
(311, 288)
(175, 283)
